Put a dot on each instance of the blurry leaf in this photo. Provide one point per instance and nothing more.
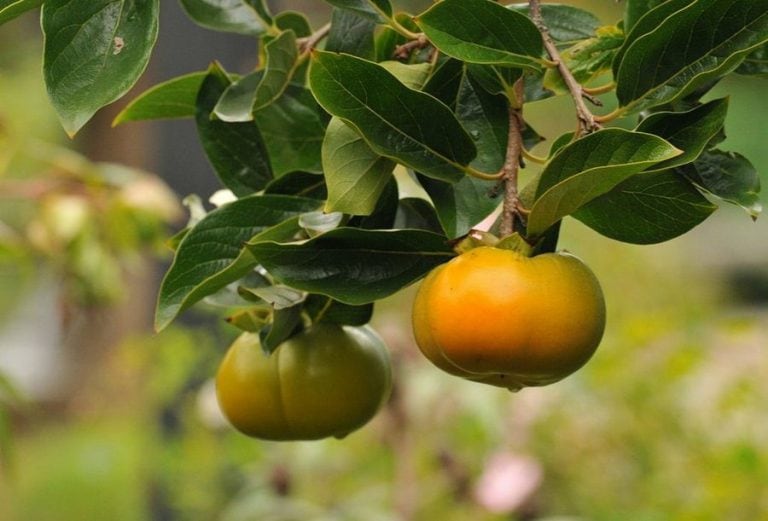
(211, 255)
(262, 10)
(417, 214)
(351, 34)
(224, 15)
(293, 128)
(406, 125)
(324, 309)
(375, 10)
(277, 296)
(230, 295)
(385, 43)
(728, 176)
(302, 184)
(635, 9)
(315, 223)
(756, 63)
(174, 98)
(590, 167)
(106, 42)
(482, 31)
(236, 150)
(293, 21)
(689, 48)
(690, 131)
(355, 174)
(252, 320)
(647, 208)
(354, 266)
(285, 321)
(566, 23)
(10, 9)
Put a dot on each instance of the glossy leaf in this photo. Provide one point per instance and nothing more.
(636, 9)
(408, 126)
(647, 208)
(236, 150)
(293, 128)
(687, 49)
(482, 31)
(590, 167)
(324, 309)
(354, 266)
(174, 98)
(232, 16)
(690, 131)
(95, 50)
(376, 10)
(355, 174)
(10, 9)
(566, 23)
(211, 255)
(728, 176)
(351, 34)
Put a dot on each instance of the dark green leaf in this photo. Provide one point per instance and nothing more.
(408, 126)
(293, 128)
(277, 296)
(95, 51)
(174, 98)
(728, 176)
(236, 150)
(211, 255)
(354, 266)
(566, 24)
(302, 184)
(375, 10)
(10, 9)
(636, 9)
(324, 309)
(224, 15)
(690, 131)
(262, 10)
(486, 117)
(285, 321)
(386, 42)
(445, 81)
(482, 31)
(756, 63)
(495, 80)
(293, 21)
(351, 34)
(236, 102)
(355, 174)
(383, 215)
(689, 48)
(417, 214)
(647, 208)
(461, 206)
(590, 167)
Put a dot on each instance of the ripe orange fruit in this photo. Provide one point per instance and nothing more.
(495, 316)
(326, 381)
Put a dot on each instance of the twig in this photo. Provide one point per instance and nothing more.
(404, 51)
(587, 121)
(511, 167)
(308, 43)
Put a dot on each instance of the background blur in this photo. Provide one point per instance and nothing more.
(102, 419)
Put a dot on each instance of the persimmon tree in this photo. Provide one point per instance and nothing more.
(314, 144)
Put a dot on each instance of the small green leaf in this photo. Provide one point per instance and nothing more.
(211, 254)
(95, 51)
(375, 10)
(689, 48)
(351, 34)
(285, 322)
(293, 128)
(236, 150)
(354, 266)
(174, 98)
(324, 309)
(236, 102)
(484, 32)
(262, 10)
(647, 208)
(728, 176)
(224, 15)
(355, 174)
(417, 214)
(408, 126)
(10, 9)
(590, 167)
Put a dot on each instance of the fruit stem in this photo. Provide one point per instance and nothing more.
(509, 171)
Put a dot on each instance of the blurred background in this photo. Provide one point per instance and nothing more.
(100, 418)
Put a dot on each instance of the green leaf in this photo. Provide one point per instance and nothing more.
(417, 214)
(728, 176)
(756, 63)
(590, 167)
(354, 266)
(566, 24)
(211, 255)
(324, 309)
(293, 128)
(315, 223)
(351, 34)
(293, 21)
(647, 208)
(408, 126)
(486, 117)
(383, 215)
(355, 174)
(10, 9)
(690, 131)
(257, 90)
(303, 184)
(277, 295)
(262, 10)
(445, 81)
(636, 9)
(461, 206)
(482, 31)
(174, 98)
(95, 51)
(412, 75)
(285, 321)
(224, 15)
(375, 10)
(689, 48)
(236, 150)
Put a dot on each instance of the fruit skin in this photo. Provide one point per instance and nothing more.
(498, 317)
(325, 381)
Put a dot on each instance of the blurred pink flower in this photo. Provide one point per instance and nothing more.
(508, 482)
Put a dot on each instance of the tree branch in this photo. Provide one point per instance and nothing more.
(308, 43)
(509, 171)
(587, 122)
